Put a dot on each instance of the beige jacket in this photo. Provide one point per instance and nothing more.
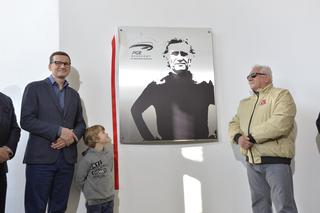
(268, 116)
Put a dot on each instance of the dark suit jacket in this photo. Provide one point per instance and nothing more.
(9, 129)
(42, 116)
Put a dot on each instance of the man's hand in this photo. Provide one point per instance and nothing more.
(4, 154)
(68, 135)
(60, 143)
(66, 138)
(244, 142)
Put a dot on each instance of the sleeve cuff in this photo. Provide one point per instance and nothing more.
(236, 137)
(59, 131)
(252, 140)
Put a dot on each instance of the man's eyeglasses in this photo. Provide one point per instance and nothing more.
(176, 53)
(254, 74)
(60, 63)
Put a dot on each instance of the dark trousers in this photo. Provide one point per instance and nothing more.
(48, 184)
(106, 207)
(3, 191)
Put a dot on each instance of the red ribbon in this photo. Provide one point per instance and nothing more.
(114, 114)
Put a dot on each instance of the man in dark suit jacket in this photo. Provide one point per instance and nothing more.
(9, 137)
(51, 112)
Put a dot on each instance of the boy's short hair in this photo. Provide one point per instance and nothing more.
(91, 135)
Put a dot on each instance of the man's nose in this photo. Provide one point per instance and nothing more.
(181, 59)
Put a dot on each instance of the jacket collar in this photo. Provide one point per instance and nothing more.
(265, 89)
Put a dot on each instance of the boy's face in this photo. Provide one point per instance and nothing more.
(103, 137)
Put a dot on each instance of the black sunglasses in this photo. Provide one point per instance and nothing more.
(254, 74)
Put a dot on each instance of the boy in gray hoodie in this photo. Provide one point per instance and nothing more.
(95, 171)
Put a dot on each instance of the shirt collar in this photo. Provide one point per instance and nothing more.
(53, 82)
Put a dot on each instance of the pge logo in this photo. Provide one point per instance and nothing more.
(144, 46)
(140, 51)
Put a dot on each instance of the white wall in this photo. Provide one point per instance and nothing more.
(283, 34)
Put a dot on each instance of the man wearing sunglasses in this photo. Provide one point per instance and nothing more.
(181, 104)
(264, 128)
(52, 114)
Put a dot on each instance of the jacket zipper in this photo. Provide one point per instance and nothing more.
(254, 108)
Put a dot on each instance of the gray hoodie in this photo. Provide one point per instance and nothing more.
(95, 175)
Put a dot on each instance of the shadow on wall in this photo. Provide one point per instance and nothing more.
(293, 161)
(237, 155)
(75, 191)
(318, 136)
(318, 142)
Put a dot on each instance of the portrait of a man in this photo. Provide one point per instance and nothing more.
(181, 104)
(166, 88)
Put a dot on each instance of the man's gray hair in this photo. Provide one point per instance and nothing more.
(264, 69)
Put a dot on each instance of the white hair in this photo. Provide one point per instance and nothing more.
(264, 69)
